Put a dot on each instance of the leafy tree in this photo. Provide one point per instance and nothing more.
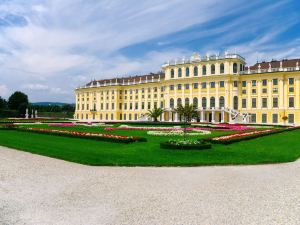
(187, 112)
(155, 113)
(3, 103)
(16, 99)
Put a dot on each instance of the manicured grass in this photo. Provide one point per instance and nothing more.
(275, 148)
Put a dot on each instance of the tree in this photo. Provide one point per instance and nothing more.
(18, 101)
(187, 112)
(3, 103)
(155, 113)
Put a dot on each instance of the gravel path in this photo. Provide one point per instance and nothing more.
(37, 190)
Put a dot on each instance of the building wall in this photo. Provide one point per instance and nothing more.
(114, 102)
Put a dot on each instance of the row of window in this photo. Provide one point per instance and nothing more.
(275, 118)
(196, 85)
(264, 82)
(204, 70)
(291, 103)
(195, 102)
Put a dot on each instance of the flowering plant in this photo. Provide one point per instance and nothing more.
(178, 133)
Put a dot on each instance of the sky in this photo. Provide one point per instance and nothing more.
(50, 47)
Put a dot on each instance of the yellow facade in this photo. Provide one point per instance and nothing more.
(221, 87)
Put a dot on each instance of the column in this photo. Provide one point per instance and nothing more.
(170, 116)
(213, 115)
(176, 117)
(163, 117)
(222, 115)
(202, 116)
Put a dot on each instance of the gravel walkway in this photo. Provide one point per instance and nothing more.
(38, 190)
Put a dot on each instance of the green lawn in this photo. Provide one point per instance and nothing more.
(275, 148)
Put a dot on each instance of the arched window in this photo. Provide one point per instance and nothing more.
(187, 72)
(204, 103)
(221, 102)
(235, 102)
(187, 101)
(213, 69)
(203, 70)
(195, 71)
(212, 102)
(172, 73)
(195, 102)
(171, 103)
(234, 68)
(222, 68)
(179, 102)
(179, 72)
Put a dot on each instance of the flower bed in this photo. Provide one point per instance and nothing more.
(61, 125)
(178, 133)
(228, 139)
(185, 145)
(86, 135)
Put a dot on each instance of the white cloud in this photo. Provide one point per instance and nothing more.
(3, 91)
(36, 87)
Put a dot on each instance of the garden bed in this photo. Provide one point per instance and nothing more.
(86, 135)
(185, 145)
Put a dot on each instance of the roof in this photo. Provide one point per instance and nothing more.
(275, 64)
(130, 79)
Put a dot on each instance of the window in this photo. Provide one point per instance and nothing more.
(212, 84)
(179, 102)
(203, 85)
(125, 106)
(195, 85)
(234, 67)
(186, 101)
(244, 83)
(187, 86)
(241, 67)
(149, 105)
(221, 102)
(222, 68)
(253, 91)
(274, 118)
(135, 116)
(112, 106)
(112, 116)
(235, 102)
(291, 89)
(187, 72)
(195, 102)
(253, 118)
(161, 104)
(222, 83)
(204, 103)
(124, 116)
(203, 70)
(179, 72)
(195, 71)
(244, 103)
(143, 105)
(275, 90)
(171, 103)
(172, 74)
(275, 81)
(130, 106)
(129, 116)
(235, 83)
(264, 102)
(171, 87)
(253, 83)
(213, 69)
(291, 102)
(291, 118)
(264, 82)
(179, 87)
(212, 102)
(244, 91)
(291, 81)
(136, 105)
(275, 102)
(264, 90)
(264, 118)
(253, 102)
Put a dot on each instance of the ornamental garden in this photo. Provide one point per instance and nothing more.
(152, 143)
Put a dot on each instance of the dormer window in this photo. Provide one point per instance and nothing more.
(204, 70)
(195, 71)
(187, 72)
(235, 68)
(172, 73)
(179, 72)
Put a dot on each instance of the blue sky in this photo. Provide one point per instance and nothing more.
(49, 47)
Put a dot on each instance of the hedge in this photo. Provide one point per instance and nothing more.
(168, 145)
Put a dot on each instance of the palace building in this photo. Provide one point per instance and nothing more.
(222, 88)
